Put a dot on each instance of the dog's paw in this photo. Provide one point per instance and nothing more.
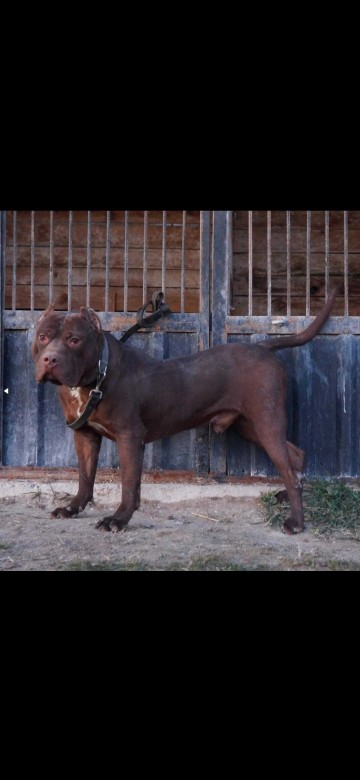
(65, 512)
(292, 528)
(103, 525)
(111, 524)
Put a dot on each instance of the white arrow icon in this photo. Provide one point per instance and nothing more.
(7, 390)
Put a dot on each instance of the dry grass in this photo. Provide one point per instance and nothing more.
(330, 507)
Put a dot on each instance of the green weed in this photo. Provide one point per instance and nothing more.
(329, 507)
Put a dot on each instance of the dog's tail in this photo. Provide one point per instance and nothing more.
(298, 339)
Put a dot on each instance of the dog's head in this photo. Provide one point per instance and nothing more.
(67, 346)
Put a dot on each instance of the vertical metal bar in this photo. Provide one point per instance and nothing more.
(221, 273)
(268, 262)
(2, 306)
(346, 265)
(13, 290)
(250, 256)
(288, 264)
(70, 259)
(88, 259)
(107, 261)
(32, 260)
(183, 255)
(308, 253)
(229, 258)
(327, 245)
(145, 255)
(51, 268)
(126, 261)
(2, 261)
(163, 254)
(204, 280)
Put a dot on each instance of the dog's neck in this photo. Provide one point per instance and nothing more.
(102, 366)
(95, 394)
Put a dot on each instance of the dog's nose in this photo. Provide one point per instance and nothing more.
(50, 360)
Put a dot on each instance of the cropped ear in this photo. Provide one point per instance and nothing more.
(49, 310)
(91, 317)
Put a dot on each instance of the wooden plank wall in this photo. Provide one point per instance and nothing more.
(308, 256)
(18, 294)
(335, 252)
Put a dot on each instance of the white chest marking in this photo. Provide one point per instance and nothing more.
(75, 393)
(99, 428)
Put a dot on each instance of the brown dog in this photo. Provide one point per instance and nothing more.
(143, 399)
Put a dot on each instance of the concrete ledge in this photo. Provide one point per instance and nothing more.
(167, 493)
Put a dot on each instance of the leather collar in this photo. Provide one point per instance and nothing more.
(95, 395)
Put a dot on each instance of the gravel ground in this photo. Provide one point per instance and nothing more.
(181, 528)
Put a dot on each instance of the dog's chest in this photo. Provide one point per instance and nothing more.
(78, 399)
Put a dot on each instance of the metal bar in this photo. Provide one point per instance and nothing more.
(2, 307)
(250, 256)
(327, 246)
(221, 258)
(346, 265)
(51, 267)
(70, 259)
(268, 261)
(229, 258)
(288, 264)
(221, 274)
(126, 262)
(88, 260)
(145, 255)
(163, 254)
(183, 255)
(32, 260)
(308, 255)
(13, 290)
(204, 281)
(107, 260)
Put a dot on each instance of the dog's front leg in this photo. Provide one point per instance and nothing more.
(87, 445)
(131, 456)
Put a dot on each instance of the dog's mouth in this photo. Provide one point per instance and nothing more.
(49, 374)
(57, 376)
(50, 379)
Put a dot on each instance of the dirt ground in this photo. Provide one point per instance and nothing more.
(206, 533)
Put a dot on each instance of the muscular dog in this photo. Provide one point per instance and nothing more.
(143, 399)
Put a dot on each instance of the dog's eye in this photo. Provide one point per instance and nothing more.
(43, 338)
(74, 340)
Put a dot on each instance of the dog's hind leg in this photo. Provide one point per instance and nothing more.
(297, 456)
(286, 457)
(297, 460)
(278, 451)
